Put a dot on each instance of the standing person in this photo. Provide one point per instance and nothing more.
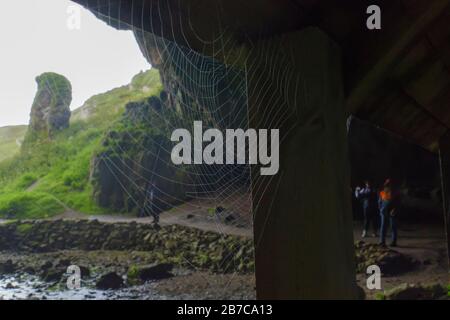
(388, 212)
(142, 211)
(151, 203)
(368, 197)
(149, 207)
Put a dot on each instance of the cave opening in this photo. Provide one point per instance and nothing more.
(377, 155)
(226, 231)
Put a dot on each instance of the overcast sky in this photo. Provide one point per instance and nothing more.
(39, 36)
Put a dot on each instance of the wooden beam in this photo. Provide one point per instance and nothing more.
(381, 69)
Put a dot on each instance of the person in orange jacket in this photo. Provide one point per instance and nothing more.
(388, 212)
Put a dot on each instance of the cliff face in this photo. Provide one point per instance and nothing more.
(195, 85)
(135, 152)
(50, 112)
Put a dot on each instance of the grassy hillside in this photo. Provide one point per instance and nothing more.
(50, 177)
(106, 106)
(10, 140)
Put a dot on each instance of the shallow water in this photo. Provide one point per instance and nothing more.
(20, 287)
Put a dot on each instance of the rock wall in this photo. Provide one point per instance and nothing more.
(182, 246)
(135, 153)
(196, 85)
(186, 247)
(50, 111)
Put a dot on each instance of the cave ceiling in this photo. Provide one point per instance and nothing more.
(397, 78)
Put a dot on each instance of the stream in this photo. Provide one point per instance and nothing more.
(27, 287)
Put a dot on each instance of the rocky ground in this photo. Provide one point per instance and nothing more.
(130, 260)
(114, 275)
(182, 246)
(403, 277)
(135, 261)
(416, 269)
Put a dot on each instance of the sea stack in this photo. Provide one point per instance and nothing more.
(50, 111)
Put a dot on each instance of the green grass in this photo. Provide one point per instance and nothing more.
(57, 171)
(133, 275)
(23, 205)
(47, 177)
(26, 181)
(106, 106)
(10, 140)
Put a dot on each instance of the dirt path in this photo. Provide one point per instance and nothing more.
(193, 214)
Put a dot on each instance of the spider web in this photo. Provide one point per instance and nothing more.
(198, 88)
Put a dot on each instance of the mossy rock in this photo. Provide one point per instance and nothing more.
(416, 292)
(50, 111)
(24, 228)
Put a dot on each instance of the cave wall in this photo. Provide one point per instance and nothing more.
(376, 154)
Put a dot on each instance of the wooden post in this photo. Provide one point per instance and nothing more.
(444, 157)
(302, 216)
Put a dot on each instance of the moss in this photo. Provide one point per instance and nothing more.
(56, 287)
(24, 228)
(55, 83)
(133, 275)
(380, 296)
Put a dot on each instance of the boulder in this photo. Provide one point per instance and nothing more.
(110, 281)
(394, 263)
(10, 286)
(150, 272)
(7, 267)
(53, 274)
(391, 262)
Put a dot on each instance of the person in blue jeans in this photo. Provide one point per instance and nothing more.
(368, 197)
(388, 213)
